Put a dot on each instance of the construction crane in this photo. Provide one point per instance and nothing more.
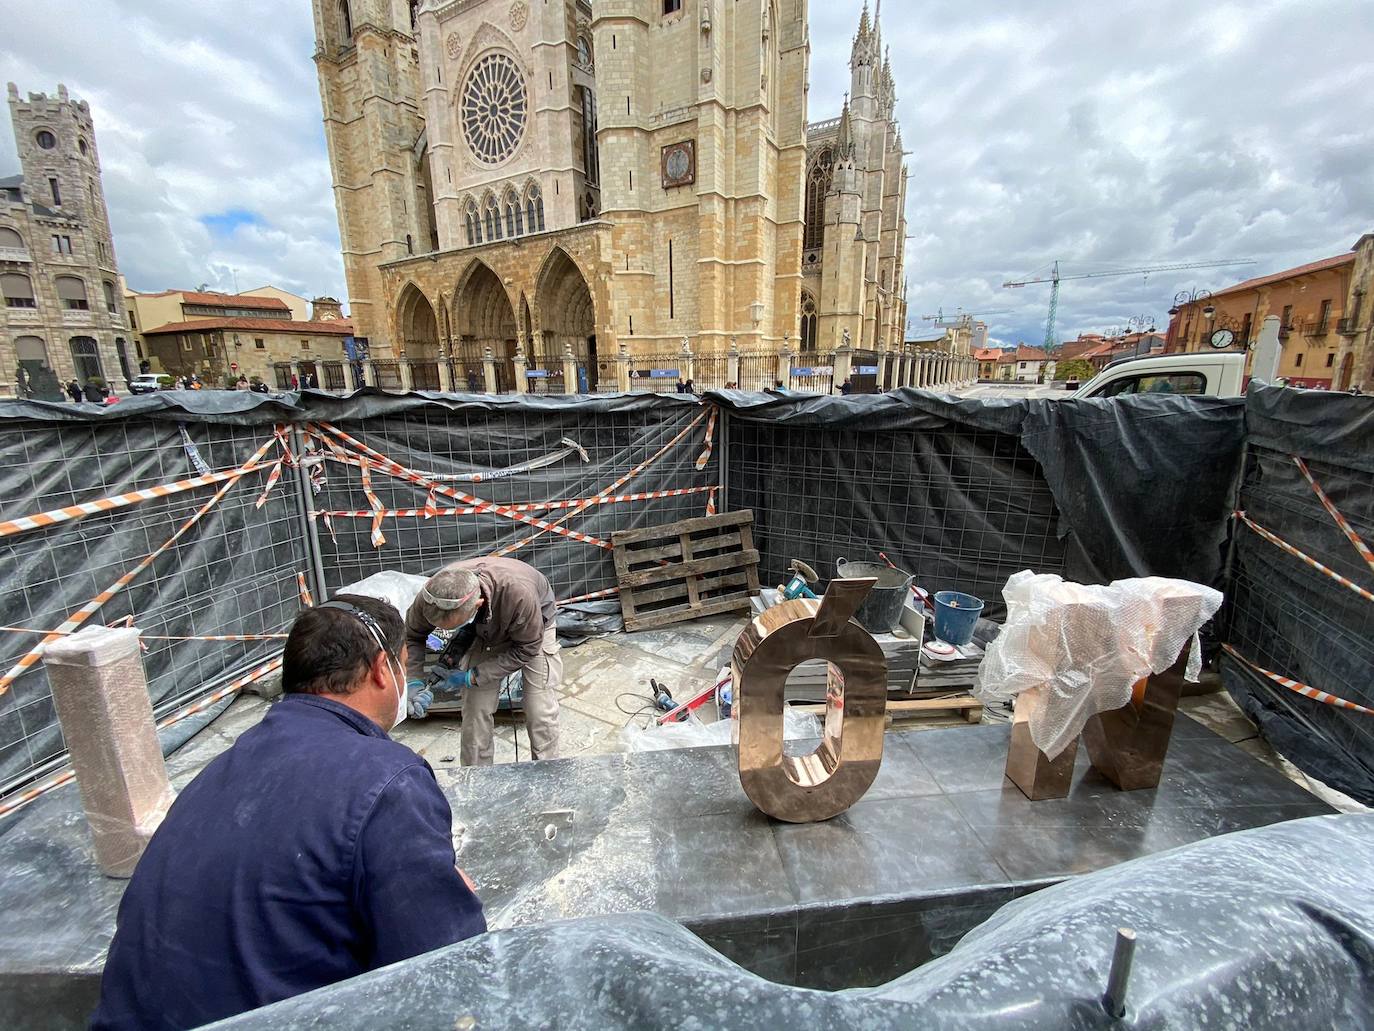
(941, 319)
(1054, 279)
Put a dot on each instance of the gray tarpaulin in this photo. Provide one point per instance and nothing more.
(1288, 617)
(1265, 929)
(966, 492)
(236, 569)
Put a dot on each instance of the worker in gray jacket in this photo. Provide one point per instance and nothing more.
(511, 608)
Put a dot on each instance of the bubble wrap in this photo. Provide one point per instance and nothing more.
(1082, 648)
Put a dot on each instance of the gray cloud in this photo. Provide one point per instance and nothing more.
(1105, 135)
(199, 108)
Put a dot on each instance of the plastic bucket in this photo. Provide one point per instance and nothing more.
(882, 609)
(956, 615)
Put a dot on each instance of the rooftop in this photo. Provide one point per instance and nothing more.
(331, 327)
(1301, 270)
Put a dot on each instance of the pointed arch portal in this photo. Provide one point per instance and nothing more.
(419, 337)
(567, 319)
(483, 317)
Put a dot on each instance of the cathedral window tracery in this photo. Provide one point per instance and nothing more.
(494, 108)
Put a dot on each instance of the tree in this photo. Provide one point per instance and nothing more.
(1074, 369)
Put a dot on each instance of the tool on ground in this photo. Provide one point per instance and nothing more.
(680, 713)
(663, 698)
(803, 576)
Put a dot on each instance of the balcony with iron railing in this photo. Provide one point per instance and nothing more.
(1347, 326)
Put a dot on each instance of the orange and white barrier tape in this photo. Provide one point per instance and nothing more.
(1300, 688)
(610, 592)
(557, 527)
(391, 468)
(711, 502)
(77, 618)
(272, 479)
(1279, 542)
(158, 637)
(23, 798)
(306, 598)
(42, 520)
(378, 538)
(705, 456)
(534, 506)
(1360, 546)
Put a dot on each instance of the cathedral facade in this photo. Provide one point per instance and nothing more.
(545, 177)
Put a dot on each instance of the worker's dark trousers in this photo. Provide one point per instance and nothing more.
(543, 678)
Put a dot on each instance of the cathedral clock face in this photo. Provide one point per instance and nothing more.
(495, 108)
(679, 164)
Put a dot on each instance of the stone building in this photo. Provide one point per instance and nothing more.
(540, 178)
(223, 336)
(63, 315)
(1324, 319)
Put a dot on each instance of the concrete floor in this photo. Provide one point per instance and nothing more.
(607, 680)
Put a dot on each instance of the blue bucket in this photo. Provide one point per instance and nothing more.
(956, 615)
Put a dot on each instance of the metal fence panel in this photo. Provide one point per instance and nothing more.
(627, 454)
(960, 508)
(234, 571)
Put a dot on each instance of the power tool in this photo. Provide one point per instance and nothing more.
(803, 576)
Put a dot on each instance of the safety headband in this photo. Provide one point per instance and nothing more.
(447, 604)
(366, 619)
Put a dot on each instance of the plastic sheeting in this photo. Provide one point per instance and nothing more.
(1288, 617)
(1267, 929)
(1080, 649)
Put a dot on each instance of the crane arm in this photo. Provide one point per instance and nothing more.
(1055, 278)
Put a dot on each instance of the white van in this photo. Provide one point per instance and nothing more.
(1217, 374)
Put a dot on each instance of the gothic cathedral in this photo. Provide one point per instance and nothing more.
(539, 177)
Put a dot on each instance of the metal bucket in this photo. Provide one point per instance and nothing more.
(882, 609)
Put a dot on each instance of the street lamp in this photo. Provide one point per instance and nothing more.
(1189, 299)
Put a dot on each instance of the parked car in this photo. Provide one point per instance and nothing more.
(150, 383)
(1216, 374)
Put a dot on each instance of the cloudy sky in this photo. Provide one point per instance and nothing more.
(1107, 135)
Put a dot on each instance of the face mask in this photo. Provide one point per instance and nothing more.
(400, 694)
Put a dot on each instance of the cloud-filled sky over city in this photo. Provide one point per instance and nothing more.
(1104, 135)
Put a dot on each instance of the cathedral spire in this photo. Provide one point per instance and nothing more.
(846, 141)
(865, 41)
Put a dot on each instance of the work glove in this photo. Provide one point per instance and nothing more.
(459, 679)
(418, 699)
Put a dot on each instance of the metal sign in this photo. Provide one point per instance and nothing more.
(817, 370)
(663, 374)
(866, 370)
(537, 374)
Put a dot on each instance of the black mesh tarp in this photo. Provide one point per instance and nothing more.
(236, 568)
(1288, 617)
(964, 493)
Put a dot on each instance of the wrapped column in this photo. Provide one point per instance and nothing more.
(102, 702)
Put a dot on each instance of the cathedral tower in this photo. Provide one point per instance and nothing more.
(367, 60)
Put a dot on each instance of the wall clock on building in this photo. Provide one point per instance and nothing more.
(679, 164)
(495, 107)
(1222, 338)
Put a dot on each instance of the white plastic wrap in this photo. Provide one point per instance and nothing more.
(1081, 649)
(400, 589)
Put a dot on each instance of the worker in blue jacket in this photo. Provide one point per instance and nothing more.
(314, 849)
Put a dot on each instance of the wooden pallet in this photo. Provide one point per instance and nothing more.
(682, 571)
